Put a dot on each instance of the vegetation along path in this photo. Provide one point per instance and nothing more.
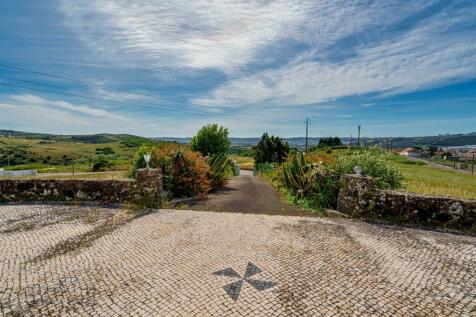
(246, 194)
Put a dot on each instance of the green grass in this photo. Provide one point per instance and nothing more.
(424, 179)
(48, 155)
(100, 175)
(245, 162)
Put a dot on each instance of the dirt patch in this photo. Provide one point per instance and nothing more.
(110, 224)
(27, 222)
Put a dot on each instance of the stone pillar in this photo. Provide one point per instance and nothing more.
(149, 182)
(356, 194)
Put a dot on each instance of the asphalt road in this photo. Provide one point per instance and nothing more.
(246, 194)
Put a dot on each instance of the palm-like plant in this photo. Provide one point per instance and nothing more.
(218, 168)
(315, 182)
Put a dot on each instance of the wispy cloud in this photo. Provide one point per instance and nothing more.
(183, 36)
(36, 101)
(263, 61)
(432, 53)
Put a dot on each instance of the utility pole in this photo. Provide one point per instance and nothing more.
(350, 142)
(72, 154)
(358, 136)
(307, 130)
(472, 166)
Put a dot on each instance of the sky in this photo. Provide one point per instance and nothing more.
(165, 68)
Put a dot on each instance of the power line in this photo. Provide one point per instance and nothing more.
(95, 85)
(79, 81)
(142, 104)
(46, 74)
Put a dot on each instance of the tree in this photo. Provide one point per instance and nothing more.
(271, 149)
(432, 150)
(211, 140)
(324, 142)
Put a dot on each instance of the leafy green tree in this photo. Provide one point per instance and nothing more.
(211, 140)
(271, 149)
(325, 142)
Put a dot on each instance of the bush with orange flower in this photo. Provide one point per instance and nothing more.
(185, 173)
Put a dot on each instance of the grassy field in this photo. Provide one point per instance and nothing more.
(419, 177)
(80, 175)
(245, 162)
(48, 156)
(424, 179)
(101, 175)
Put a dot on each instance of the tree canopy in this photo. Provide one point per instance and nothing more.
(324, 142)
(270, 149)
(211, 140)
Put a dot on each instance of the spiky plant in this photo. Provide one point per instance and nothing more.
(218, 168)
(315, 182)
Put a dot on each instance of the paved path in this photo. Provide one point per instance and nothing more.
(441, 166)
(87, 261)
(246, 194)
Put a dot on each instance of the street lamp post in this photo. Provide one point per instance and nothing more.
(147, 160)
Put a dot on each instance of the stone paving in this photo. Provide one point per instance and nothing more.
(191, 263)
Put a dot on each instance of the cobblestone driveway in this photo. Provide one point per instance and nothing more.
(83, 261)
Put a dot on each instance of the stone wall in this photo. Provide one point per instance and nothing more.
(358, 197)
(147, 186)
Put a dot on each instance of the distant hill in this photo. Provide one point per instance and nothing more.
(298, 142)
(437, 140)
(398, 142)
(125, 139)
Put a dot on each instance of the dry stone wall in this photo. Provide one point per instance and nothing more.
(147, 186)
(359, 197)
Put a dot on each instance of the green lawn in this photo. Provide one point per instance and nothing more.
(434, 181)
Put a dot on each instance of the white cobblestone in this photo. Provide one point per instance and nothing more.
(161, 264)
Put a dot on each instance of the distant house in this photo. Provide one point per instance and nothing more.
(412, 152)
(440, 153)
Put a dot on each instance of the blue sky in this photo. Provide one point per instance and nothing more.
(157, 68)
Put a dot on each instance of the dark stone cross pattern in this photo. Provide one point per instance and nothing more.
(233, 289)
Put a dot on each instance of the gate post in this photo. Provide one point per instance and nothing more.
(355, 194)
(150, 183)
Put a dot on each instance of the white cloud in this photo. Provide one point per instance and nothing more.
(35, 101)
(429, 55)
(181, 36)
(333, 48)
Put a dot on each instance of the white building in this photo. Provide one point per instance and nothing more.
(412, 152)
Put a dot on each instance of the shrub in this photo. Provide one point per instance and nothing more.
(316, 183)
(211, 140)
(331, 142)
(374, 163)
(185, 173)
(265, 167)
(271, 149)
(101, 165)
(219, 168)
(188, 175)
(105, 150)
